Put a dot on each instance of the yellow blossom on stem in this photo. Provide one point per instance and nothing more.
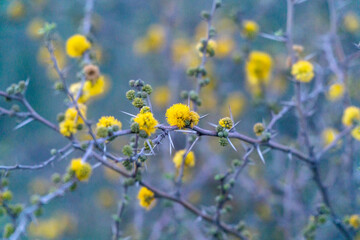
(161, 96)
(336, 92)
(180, 115)
(225, 46)
(329, 135)
(72, 113)
(146, 198)
(351, 115)
(76, 45)
(90, 89)
(258, 68)
(211, 47)
(226, 123)
(146, 122)
(356, 133)
(351, 22)
(303, 71)
(249, 29)
(67, 127)
(354, 221)
(189, 160)
(81, 169)
(108, 121)
(15, 10)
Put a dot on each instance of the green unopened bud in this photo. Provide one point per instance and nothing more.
(127, 150)
(73, 187)
(59, 86)
(147, 88)
(34, 199)
(4, 182)
(102, 132)
(130, 95)
(138, 103)
(139, 83)
(132, 83)
(7, 195)
(129, 182)
(38, 212)
(223, 142)
(60, 117)
(9, 229)
(193, 95)
(15, 108)
(135, 127)
(142, 158)
(146, 145)
(143, 134)
(56, 178)
(184, 94)
(205, 15)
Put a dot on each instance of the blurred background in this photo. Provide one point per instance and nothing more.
(156, 42)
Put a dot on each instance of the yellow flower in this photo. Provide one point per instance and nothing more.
(44, 58)
(351, 22)
(72, 114)
(181, 49)
(249, 29)
(180, 115)
(210, 48)
(161, 96)
(67, 127)
(329, 135)
(146, 198)
(354, 221)
(76, 45)
(226, 123)
(336, 91)
(152, 42)
(225, 46)
(33, 28)
(81, 169)
(303, 71)
(356, 133)
(90, 90)
(146, 122)
(108, 121)
(189, 160)
(351, 114)
(15, 10)
(106, 198)
(258, 68)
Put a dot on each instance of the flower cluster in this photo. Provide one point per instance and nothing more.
(250, 29)
(146, 198)
(303, 71)
(210, 47)
(146, 122)
(107, 125)
(153, 41)
(71, 121)
(77, 45)
(82, 170)
(180, 115)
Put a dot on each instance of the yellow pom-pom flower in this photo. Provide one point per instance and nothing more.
(189, 160)
(81, 169)
(76, 45)
(249, 29)
(72, 113)
(108, 121)
(152, 42)
(354, 221)
(226, 123)
(258, 68)
(146, 198)
(180, 115)
(336, 92)
(329, 135)
(90, 89)
(351, 22)
(351, 114)
(15, 10)
(303, 71)
(146, 122)
(67, 127)
(225, 46)
(356, 133)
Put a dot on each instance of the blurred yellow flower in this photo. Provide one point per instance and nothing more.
(351, 115)
(354, 221)
(106, 198)
(108, 121)
(356, 133)
(146, 198)
(329, 135)
(181, 49)
(336, 91)
(211, 47)
(249, 29)
(189, 160)
(90, 89)
(15, 10)
(152, 42)
(236, 101)
(225, 46)
(67, 127)
(33, 28)
(351, 22)
(76, 45)
(161, 96)
(81, 169)
(303, 71)
(258, 68)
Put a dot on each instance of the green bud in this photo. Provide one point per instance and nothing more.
(22, 85)
(135, 127)
(34, 199)
(38, 212)
(7, 195)
(102, 132)
(10, 90)
(205, 15)
(4, 182)
(191, 71)
(59, 86)
(223, 142)
(143, 134)
(219, 198)
(79, 127)
(219, 128)
(73, 187)
(226, 134)
(147, 88)
(127, 150)
(220, 134)
(212, 32)
(184, 94)
(142, 158)
(219, 177)
(193, 95)
(132, 83)
(56, 178)
(139, 83)
(53, 151)
(60, 117)
(67, 177)
(129, 182)
(15, 108)
(138, 103)
(115, 128)
(130, 95)
(17, 209)
(8, 230)
(218, 3)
